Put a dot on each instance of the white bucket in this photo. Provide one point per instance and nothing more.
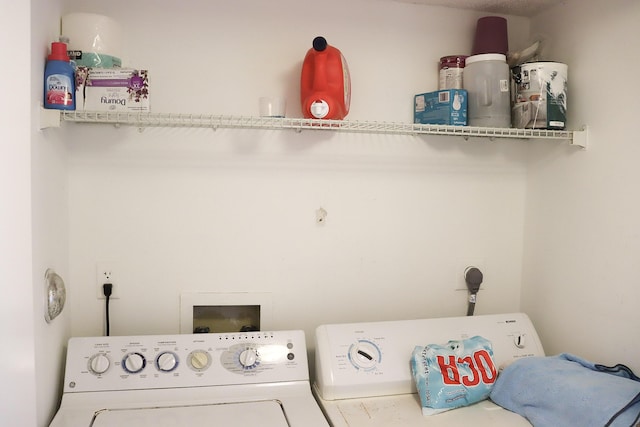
(540, 95)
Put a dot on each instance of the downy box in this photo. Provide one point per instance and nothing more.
(116, 89)
(442, 107)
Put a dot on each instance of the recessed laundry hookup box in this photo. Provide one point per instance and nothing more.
(203, 312)
(116, 89)
(442, 107)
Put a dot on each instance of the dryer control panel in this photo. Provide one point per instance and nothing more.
(189, 360)
(356, 360)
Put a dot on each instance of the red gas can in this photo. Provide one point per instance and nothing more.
(325, 84)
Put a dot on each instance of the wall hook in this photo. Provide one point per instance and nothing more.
(321, 215)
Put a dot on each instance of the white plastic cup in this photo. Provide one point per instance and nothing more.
(272, 106)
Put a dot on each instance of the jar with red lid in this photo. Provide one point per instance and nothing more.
(451, 69)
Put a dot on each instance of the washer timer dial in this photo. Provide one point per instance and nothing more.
(365, 354)
(242, 358)
(248, 358)
(99, 364)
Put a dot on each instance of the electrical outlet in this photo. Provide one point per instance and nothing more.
(105, 273)
(461, 268)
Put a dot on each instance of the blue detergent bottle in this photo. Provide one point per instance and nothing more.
(59, 79)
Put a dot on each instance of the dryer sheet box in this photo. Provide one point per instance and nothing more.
(442, 107)
(113, 89)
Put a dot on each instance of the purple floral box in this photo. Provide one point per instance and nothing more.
(115, 89)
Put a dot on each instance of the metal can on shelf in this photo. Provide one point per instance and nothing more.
(540, 95)
(450, 70)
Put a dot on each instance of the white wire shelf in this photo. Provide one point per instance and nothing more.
(143, 120)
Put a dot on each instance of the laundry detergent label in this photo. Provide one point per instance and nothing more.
(453, 375)
(59, 89)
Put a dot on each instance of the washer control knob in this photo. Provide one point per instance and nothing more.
(99, 364)
(134, 363)
(519, 340)
(199, 360)
(167, 361)
(249, 358)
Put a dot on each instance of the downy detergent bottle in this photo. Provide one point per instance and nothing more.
(59, 79)
(325, 84)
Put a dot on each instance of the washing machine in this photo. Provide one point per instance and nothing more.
(363, 375)
(226, 379)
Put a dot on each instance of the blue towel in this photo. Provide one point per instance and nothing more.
(566, 390)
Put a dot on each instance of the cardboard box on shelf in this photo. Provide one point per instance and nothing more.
(115, 89)
(442, 107)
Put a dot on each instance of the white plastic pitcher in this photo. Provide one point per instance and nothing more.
(486, 79)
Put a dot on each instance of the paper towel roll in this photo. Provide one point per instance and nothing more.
(90, 32)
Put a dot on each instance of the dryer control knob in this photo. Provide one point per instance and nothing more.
(519, 340)
(249, 358)
(365, 355)
(99, 364)
(134, 363)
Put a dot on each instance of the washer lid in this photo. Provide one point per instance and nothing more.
(265, 414)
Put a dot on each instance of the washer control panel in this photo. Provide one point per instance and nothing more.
(167, 361)
(356, 360)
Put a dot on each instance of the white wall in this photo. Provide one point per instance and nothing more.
(234, 210)
(583, 239)
(49, 218)
(17, 360)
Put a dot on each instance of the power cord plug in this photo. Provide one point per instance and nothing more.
(107, 290)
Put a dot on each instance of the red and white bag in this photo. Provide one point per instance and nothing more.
(457, 374)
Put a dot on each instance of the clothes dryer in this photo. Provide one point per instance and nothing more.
(363, 375)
